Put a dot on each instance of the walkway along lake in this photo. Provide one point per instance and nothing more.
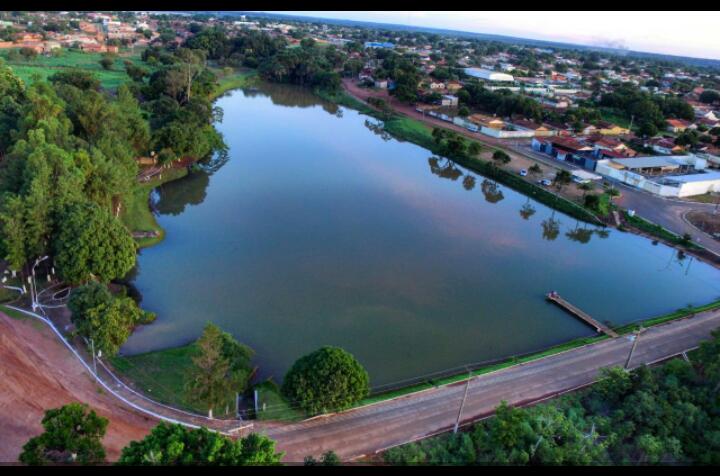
(317, 230)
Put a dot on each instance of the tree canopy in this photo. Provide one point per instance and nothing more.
(73, 434)
(91, 243)
(172, 444)
(328, 379)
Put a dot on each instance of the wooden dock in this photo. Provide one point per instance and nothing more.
(583, 316)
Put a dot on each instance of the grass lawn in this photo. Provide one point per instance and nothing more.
(7, 295)
(609, 115)
(136, 214)
(657, 230)
(160, 374)
(275, 406)
(45, 66)
(13, 313)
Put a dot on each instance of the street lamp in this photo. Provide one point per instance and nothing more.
(33, 287)
(635, 340)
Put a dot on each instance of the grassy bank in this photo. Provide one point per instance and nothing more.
(658, 231)
(238, 79)
(136, 214)
(272, 406)
(44, 66)
(671, 316)
(161, 375)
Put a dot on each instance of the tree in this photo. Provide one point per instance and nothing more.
(329, 458)
(91, 243)
(107, 62)
(535, 170)
(211, 382)
(83, 80)
(28, 53)
(109, 324)
(709, 96)
(86, 297)
(73, 434)
(474, 149)
(173, 444)
(562, 177)
(327, 379)
(501, 157)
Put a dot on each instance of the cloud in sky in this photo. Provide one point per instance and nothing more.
(677, 33)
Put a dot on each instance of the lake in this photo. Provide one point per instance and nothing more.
(314, 229)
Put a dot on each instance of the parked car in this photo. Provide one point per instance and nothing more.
(545, 182)
(523, 172)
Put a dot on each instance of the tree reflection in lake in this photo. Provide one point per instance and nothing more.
(378, 128)
(550, 228)
(527, 210)
(491, 191)
(190, 190)
(281, 95)
(580, 235)
(469, 182)
(444, 168)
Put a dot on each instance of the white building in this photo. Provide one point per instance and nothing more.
(488, 75)
(663, 175)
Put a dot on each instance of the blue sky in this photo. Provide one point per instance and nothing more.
(694, 34)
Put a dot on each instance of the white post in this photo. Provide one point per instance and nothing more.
(256, 402)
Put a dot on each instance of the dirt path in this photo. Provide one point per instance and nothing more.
(38, 373)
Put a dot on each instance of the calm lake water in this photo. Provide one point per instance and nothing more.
(316, 230)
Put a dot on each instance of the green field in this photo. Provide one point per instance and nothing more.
(45, 66)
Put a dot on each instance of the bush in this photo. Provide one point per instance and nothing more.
(328, 379)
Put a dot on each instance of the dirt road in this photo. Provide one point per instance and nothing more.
(38, 373)
(364, 431)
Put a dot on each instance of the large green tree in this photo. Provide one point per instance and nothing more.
(328, 379)
(73, 434)
(90, 243)
(106, 319)
(177, 445)
(220, 369)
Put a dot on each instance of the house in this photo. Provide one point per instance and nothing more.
(454, 86)
(677, 125)
(486, 121)
(435, 85)
(449, 100)
(381, 83)
(563, 130)
(587, 129)
(571, 150)
(541, 130)
(664, 145)
(610, 129)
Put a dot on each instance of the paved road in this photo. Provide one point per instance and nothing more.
(367, 430)
(667, 213)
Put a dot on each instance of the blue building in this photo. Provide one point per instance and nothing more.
(377, 44)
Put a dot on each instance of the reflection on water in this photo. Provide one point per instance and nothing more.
(318, 229)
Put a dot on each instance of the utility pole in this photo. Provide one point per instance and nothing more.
(462, 404)
(632, 349)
